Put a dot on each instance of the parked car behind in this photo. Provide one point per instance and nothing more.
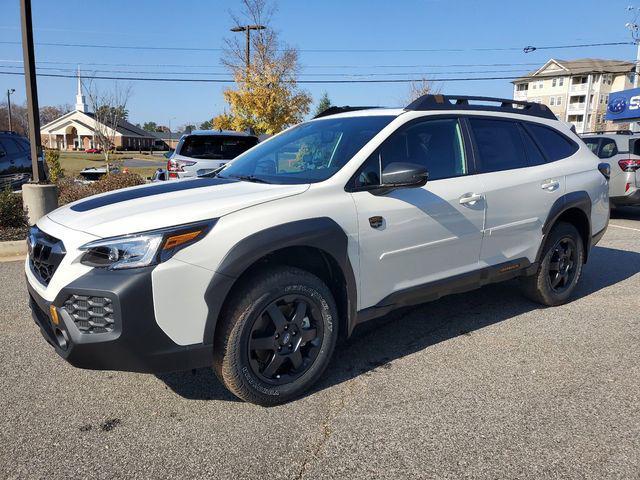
(621, 149)
(15, 160)
(203, 151)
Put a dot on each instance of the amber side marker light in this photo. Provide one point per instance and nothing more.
(176, 240)
(54, 315)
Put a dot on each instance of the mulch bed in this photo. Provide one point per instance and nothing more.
(13, 233)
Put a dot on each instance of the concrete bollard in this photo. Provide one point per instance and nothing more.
(38, 200)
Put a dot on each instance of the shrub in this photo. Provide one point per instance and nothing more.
(52, 157)
(70, 190)
(12, 215)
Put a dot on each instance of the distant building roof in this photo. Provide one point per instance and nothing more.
(577, 67)
(126, 128)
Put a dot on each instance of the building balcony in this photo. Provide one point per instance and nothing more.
(579, 126)
(520, 95)
(576, 107)
(578, 87)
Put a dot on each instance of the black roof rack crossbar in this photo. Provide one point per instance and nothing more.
(336, 110)
(461, 102)
(619, 132)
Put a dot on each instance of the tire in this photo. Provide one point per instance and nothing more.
(269, 358)
(546, 286)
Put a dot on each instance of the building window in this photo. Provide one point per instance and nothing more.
(554, 82)
(552, 101)
(561, 81)
(522, 87)
(559, 101)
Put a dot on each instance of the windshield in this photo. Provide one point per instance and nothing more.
(215, 146)
(308, 153)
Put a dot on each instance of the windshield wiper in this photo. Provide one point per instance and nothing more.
(249, 178)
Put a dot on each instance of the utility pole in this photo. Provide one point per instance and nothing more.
(32, 88)
(634, 28)
(9, 92)
(247, 29)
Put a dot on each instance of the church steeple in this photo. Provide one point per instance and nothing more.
(81, 104)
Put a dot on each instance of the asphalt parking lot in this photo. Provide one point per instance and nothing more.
(481, 385)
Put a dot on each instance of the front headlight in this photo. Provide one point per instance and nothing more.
(142, 249)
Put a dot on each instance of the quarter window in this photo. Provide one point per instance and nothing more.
(554, 145)
(608, 148)
(499, 144)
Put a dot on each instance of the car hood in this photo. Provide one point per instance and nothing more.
(165, 204)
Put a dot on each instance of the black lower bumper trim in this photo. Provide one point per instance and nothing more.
(626, 200)
(136, 344)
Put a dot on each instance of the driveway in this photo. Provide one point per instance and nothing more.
(484, 385)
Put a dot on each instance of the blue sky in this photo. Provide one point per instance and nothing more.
(327, 24)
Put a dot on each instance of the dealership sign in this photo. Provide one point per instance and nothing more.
(624, 105)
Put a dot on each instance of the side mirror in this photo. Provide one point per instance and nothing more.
(400, 174)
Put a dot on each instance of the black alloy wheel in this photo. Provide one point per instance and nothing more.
(285, 339)
(562, 267)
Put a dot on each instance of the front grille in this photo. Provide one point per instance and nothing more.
(91, 314)
(45, 254)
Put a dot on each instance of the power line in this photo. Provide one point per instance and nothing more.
(331, 50)
(334, 81)
(321, 74)
(432, 65)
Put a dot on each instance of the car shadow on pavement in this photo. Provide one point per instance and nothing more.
(376, 344)
(626, 213)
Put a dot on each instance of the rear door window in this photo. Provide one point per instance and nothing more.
(555, 145)
(534, 155)
(499, 144)
(213, 147)
(593, 144)
(634, 146)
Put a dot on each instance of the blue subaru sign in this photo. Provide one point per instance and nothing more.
(624, 105)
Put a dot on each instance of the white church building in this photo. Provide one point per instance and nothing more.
(76, 130)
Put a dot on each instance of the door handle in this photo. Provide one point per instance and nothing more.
(470, 198)
(550, 185)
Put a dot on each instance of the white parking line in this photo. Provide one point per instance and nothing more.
(625, 228)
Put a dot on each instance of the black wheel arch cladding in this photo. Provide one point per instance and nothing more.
(321, 233)
(578, 200)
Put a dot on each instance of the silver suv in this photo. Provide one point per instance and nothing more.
(621, 149)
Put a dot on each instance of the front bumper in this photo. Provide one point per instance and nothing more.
(135, 343)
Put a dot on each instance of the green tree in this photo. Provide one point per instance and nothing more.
(150, 126)
(323, 104)
(207, 125)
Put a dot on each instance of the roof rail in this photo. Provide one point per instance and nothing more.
(336, 110)
(8, 132)
(619, 132)
(461, 102)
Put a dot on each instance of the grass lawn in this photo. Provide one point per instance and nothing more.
(73, 162)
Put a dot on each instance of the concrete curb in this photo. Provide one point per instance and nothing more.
(15, 248)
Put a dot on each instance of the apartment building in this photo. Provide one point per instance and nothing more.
(577, 91)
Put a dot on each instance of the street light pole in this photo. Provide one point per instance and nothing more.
(9, 92)
(29, 61)
(247, 29)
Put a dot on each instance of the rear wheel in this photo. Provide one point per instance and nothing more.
(277, 336)
(560, 267)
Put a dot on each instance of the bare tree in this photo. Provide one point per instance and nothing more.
(421, 87)
(109, 109)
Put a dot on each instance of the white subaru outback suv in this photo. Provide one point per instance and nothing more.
(259, 268)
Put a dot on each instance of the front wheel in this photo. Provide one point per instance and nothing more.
(560, 267)
(277, 336)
